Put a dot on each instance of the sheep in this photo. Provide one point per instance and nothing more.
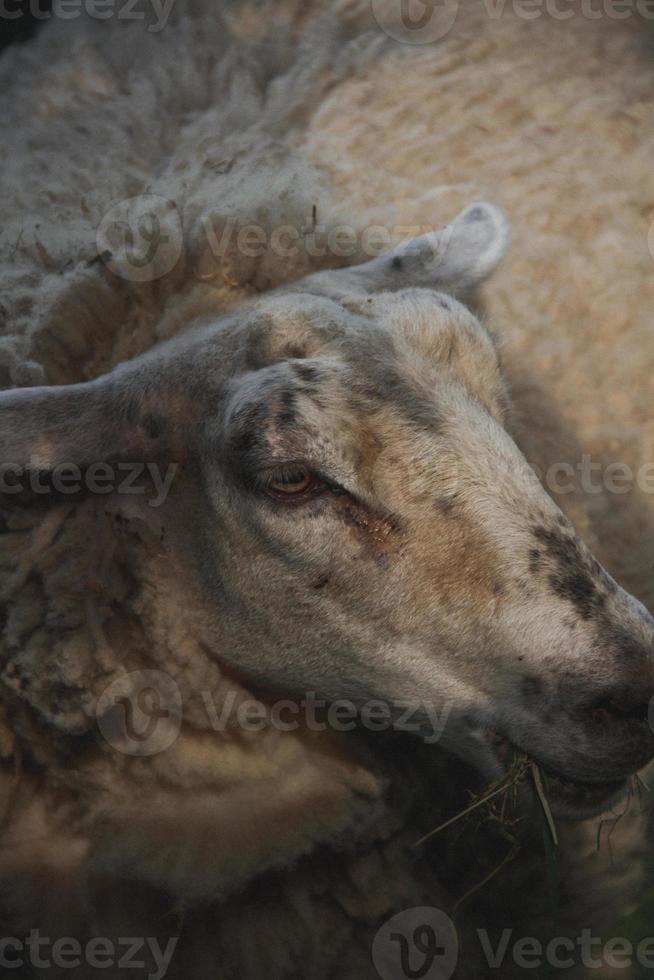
(347, 516)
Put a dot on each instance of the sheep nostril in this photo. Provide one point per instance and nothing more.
(620, 708)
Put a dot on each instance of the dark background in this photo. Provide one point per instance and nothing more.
(19, 19)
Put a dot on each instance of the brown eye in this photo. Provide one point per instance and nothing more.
(292, 484)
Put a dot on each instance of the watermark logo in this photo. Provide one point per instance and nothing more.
(417, 944)
(415, 21)
(141, 713)
(142, 953)
(426, 21)
(562, 10)
(141, 238)
(564, 952)
(97, 478)
(154, 13)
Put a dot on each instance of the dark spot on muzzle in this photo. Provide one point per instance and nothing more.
(575, 577)
(579, 589)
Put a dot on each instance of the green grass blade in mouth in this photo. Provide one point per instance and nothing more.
(542, 799)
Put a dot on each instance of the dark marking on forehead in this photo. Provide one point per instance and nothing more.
(307, 372)
(378, 379)
(313, 394)
(420, 410)
(396, 262)
(288, 412)
(249, 426)
(382, 384)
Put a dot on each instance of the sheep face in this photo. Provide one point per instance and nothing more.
(373, 532)
(355, 521)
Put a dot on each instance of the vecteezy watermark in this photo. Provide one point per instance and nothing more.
(426, 21)
(288, 241)
(99, 953)
(140, 238)
(593, 476)
(566, 9)
(141, 713)
(96, 478)
(565, 952)
(415, 21)
(586, 475)
(423, 943)
(154, 12)
(318, 714)
(416, 944)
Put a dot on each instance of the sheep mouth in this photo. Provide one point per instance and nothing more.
(568, 798)
(572, 799)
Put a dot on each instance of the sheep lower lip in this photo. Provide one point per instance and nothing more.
(571, 799)
(605, 785)
(576, 799)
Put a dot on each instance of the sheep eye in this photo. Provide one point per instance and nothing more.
(293, 483)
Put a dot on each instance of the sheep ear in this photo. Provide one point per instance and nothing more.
(41, 428)
(462, 255)
(454, 260)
